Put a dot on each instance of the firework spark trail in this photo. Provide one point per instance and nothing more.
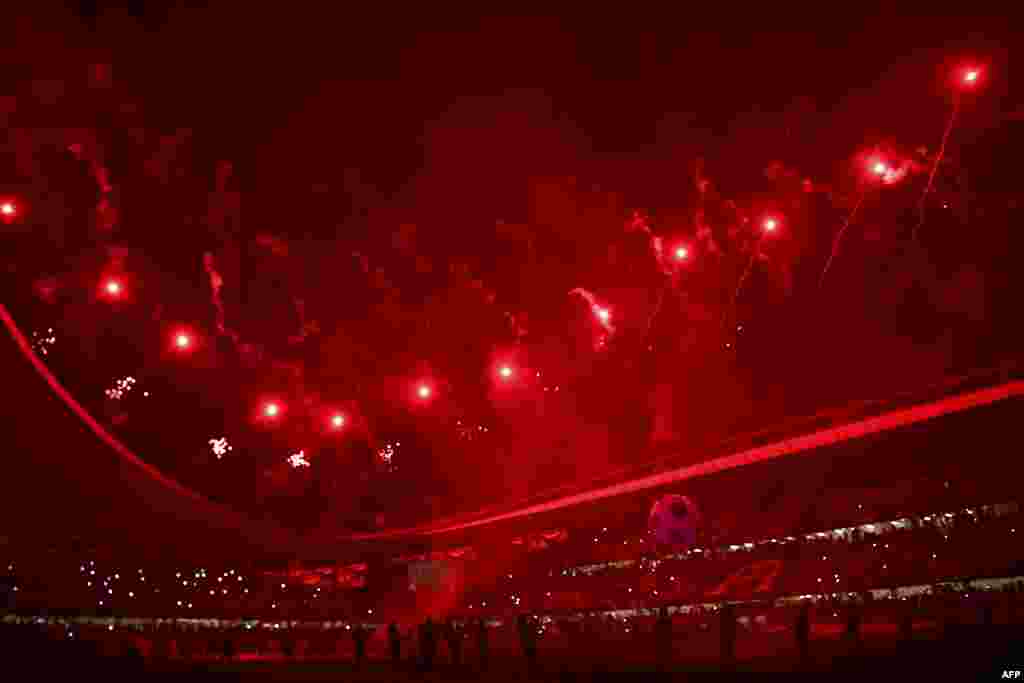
(298, 459)
(220, 447)
(839, 237)
(639, 224)
(587, 296)
(935, 165)
(731, 310)
(300, 312)
(657, 309)
(41, 342)
(306, 327)
(600, 312)
(120, 388)
(92, 153)
(517, 327)
(216, 282)
(745, 274)
(102, 176)
(658, 247)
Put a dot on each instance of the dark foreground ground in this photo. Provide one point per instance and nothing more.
(977, 653)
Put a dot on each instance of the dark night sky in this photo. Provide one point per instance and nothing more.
(310, 93)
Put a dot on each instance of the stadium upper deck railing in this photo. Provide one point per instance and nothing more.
(861, 410)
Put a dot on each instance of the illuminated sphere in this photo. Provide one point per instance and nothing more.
(337, 421)
(424, 391)
(505, 371)
(971, 76)
(8, 209)
(271, 409)
(182, 341)
(673, 521)
(113, 287)
(879, 168)
(681, 253)
(603, 314)
(770, 224)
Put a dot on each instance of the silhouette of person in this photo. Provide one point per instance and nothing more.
(803, 632)
(987, 609)
(454, 637)
(528, 640)
(395, 640)
(359, 636)
(728, 635)
(481, 641)
(853, 619)
(663, 638)
(907, 626)
(428, 644)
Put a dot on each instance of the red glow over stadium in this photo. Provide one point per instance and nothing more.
(536, 438)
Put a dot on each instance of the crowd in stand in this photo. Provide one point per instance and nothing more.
(970, 543)
(919, 549)
(874, 584)
(851, 564)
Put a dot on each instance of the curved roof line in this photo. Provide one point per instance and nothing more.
(801, 445)
(95, 427)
